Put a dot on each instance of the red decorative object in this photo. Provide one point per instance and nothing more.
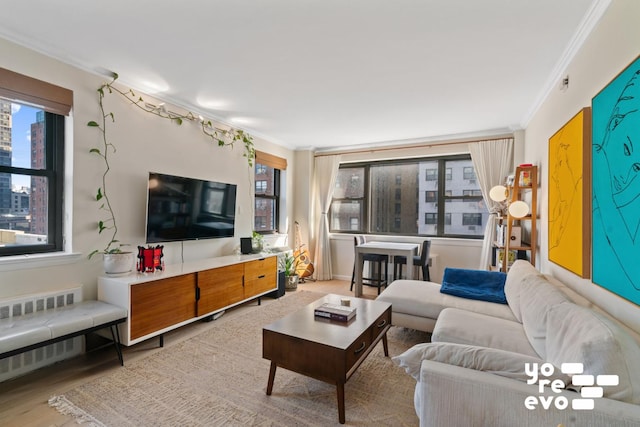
(150, 259)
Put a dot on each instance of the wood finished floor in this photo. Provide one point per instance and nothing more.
(23, 400)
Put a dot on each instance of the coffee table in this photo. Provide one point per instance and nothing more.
(326, 350)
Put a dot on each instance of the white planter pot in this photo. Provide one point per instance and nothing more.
(119, 263)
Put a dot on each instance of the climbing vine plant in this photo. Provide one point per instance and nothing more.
(221, 137)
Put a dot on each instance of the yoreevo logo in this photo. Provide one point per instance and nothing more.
(590, 386)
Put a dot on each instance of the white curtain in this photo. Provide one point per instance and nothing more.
(326, 172)
(493, 161)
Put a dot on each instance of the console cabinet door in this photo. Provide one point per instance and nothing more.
(220, 287)
(162, 303)
(260, 276)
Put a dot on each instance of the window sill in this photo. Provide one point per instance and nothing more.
(22, 262)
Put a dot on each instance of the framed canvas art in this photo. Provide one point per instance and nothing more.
(570, 195)
(616, 184)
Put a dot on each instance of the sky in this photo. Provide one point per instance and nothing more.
(22, 118)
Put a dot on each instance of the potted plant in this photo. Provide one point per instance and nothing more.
(289, 264)
(257, 242)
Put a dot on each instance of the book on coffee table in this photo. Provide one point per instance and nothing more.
(335, 312)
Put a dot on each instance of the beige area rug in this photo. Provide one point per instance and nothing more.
(219, 378)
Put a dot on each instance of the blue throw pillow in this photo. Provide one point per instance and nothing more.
(474, 284)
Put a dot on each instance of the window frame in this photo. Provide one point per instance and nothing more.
(54, 173)
(275, 198)
(443, 196)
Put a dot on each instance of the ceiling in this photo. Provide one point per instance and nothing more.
(324, 74)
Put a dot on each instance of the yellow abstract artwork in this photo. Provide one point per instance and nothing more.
(569, 195)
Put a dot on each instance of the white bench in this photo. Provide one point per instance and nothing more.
(38, 329)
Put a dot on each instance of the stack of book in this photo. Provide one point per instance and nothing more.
(335, 312)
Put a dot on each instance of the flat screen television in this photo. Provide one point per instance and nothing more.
(181, 208)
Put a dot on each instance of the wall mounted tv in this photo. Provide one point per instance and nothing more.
(181, 208)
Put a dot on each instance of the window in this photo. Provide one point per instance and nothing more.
(268, 170)
(430, 218)
(31, 179)
(468, 172)
(471, 219)
(430, 196)
(435, 205)
(261, 187)
(266, 199)
(31, 164)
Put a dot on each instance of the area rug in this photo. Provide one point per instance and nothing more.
(219, 377)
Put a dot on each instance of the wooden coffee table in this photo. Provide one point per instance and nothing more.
(326, 350)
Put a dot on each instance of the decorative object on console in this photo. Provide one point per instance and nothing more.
(117, 263)
(150, 259)
(246, 246)
(257, 242)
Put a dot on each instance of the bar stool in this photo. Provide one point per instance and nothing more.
(421, 261)
(377, 262)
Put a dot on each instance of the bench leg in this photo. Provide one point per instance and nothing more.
(115, 334)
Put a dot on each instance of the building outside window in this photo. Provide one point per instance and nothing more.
(348, 210)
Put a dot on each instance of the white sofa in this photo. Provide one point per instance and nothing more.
(473, 371)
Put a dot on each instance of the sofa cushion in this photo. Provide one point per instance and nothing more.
(537, 296)
(500, 362)
(424, 299)
(474, 284)
(513, 284)
(577, 334)
(466, 327)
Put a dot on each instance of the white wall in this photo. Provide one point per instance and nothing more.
(611, 46)
(145, 143)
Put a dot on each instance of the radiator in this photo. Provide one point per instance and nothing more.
(28, 361)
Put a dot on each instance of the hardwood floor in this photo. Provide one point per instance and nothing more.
(23, 400)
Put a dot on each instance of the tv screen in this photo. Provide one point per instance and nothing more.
(181, 208)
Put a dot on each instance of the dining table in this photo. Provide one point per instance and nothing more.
(391, 249)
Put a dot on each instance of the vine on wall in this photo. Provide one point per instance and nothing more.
(221, 137)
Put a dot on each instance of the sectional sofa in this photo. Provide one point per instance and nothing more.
(542, 359)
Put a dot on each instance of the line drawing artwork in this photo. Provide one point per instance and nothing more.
(568, 242)
(616, 184)
(567, 191)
